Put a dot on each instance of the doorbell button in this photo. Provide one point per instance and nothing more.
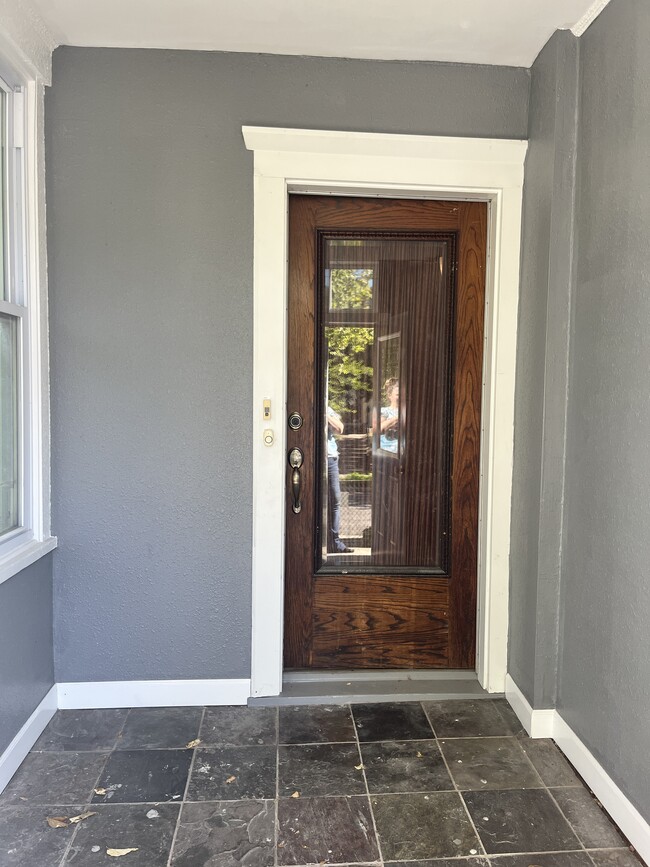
(268, 437)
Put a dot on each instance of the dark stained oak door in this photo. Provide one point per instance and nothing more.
(385, 336)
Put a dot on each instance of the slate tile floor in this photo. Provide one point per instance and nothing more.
(431, 784)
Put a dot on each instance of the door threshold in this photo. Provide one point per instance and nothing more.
(353, 687)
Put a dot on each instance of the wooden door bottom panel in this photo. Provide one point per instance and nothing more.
(380, 622)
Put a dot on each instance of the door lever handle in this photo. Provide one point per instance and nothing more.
(296, 459)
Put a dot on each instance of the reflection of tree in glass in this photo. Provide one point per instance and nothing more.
(351, 288)
(350, 377)
(349, 374)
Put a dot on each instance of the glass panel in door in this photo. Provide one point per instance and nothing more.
(385, 335)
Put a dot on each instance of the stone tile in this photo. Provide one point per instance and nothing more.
(78, 730)
(138, 776)
(489, 763)
(147, 828)
(233, 773)
(55, 778)
(320, 769)
(467, 719)
(511, 718)
(26, 840)
(315, 830)
(549, 763)
(239, 726)
(226, 834)
(590, 822)
(520, 821)
(316, 724)
(441, 862)
(414, 827)
(555, 859)
(615, 858)
(405, 766)
(391, 722)
(160, 728)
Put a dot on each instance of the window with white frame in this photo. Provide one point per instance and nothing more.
(24, 517)
(12, 315)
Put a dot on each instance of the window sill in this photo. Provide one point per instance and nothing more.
(24, 555)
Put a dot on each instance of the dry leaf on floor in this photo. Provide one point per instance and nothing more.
(58, 821)
(193, 744)
(359, 767)
(75, 819)
(117, 853)
(100, 791)
(21, 798)
(231, 779)
(296, 795)
(419, 754)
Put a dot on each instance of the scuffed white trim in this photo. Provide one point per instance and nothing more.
(538, 723)
(619, 807)
(15, 754)
(549, 724)
(589, 17)
(153, 693)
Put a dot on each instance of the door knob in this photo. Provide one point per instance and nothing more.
(296, 459)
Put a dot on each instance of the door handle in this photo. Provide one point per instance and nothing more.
(296, 459)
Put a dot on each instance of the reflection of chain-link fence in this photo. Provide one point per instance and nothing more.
(355, 465)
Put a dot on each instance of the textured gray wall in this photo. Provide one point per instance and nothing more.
(542, 370)
(604, 689)
(26, 664)
(150, 211)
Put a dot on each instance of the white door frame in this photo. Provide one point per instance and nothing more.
(370, 164)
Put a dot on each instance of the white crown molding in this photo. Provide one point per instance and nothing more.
(26, 42)
(15, 754)
(153, 693)
(589, 17)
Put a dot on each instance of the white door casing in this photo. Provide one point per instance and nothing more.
(372, 164)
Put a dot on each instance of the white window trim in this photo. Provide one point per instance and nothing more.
(348, 163)
(33, 539)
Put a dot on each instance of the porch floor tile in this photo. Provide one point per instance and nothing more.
(402, 784)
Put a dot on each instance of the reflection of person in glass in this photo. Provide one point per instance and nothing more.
(389, 430)
(334, 544)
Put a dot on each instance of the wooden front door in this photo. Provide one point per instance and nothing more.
(385, 320)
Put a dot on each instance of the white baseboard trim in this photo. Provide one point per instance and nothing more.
(622, 811)
(14, 755)
(538, 723)
(549, 724)
(153, 693)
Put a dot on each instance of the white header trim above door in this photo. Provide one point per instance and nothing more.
(431, 167)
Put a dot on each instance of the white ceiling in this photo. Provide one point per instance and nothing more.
(509, 32)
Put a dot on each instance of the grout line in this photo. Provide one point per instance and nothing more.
(365, 780)
(88, 805)
(184, 798)
(458, 792)
(570, 824)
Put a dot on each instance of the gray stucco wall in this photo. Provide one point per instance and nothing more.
(604, 685)
(542, 370)
(26, 664)
(150, 211)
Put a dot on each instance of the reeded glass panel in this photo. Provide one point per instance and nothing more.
(385, 332)
(8, 423)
